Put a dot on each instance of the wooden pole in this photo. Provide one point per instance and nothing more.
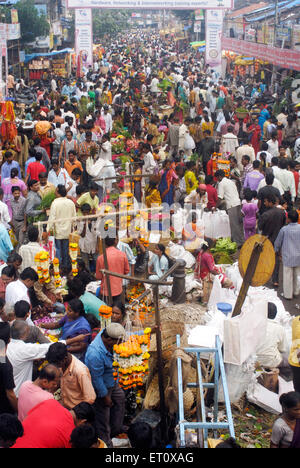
(160, 368)
(107, 277)
(247, 278)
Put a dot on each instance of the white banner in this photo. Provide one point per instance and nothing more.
(153, 4)
(13, 31)
(84, 37)
(3, 55)
(213, 51)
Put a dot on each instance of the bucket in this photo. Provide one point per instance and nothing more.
(224, 307)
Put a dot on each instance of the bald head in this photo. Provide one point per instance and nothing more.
(49, 378)
(19, 330)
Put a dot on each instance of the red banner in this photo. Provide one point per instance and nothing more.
(284, 58)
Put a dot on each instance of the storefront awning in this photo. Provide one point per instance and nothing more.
(29, 57)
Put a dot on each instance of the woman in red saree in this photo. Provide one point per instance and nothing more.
(205, 270)
(255, 130)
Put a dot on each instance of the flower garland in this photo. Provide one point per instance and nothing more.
(105, 315)
(57, 277)
(42, 260)
(131, 360)
(73, 252)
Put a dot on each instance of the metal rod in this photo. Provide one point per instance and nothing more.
(225, 388)
(135, 278)
(180, 397)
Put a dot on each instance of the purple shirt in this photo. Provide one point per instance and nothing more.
(249, 210)
(253, 179)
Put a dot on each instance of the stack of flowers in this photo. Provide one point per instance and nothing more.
(105, 315)
(144, 311)
(57, 277)
(42, 261)
(131, 360)
(53, 335)
(73, 252)
(126, 204)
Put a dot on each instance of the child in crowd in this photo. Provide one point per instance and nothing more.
(249, 212)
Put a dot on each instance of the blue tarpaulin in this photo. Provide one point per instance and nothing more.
(29, 57)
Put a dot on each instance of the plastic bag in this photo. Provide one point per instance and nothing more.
(219, 294)
(243, 333)
(189, 143)
(220, 225)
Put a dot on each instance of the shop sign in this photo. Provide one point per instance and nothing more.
(214, 28)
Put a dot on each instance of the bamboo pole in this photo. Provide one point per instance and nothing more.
(99, 215)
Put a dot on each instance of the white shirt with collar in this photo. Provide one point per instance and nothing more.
(21, 356)
(4, 215)
(275, 342)
(227, 191)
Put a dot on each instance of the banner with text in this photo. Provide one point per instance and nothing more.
(284, 58)
(83, 39)
(214, 28)
(153, 4)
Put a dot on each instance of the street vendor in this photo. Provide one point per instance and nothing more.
(205, 270)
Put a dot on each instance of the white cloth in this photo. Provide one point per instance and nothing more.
(21, 356)
(275, 184)
(229, 143)
(17, 291)
(275, 342)
(149, 163)
(227, 191)
(61, 209)
(107, 171)
(4, 215)
(105, 152)
(153, 85)
(273, 148)
(287, 180)
(88, 243)
(108, 122)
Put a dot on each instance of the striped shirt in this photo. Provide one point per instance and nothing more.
(288, 241)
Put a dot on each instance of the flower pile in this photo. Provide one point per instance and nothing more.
(53, 335)
(73, 252)
(131, 360)
(143, 310)
(57, 277)
(42, 261)
(105, 315)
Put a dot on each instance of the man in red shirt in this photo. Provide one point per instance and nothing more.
(292, 167)
(34, 169)
(212, 194)
(118, 263)
(50, 425)
(47, 425)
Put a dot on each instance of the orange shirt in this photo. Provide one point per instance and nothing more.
(118, 263)
(76, 385)
(71, 166)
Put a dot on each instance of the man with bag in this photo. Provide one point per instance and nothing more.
(228, 199)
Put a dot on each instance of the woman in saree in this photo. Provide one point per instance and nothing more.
(166, 186)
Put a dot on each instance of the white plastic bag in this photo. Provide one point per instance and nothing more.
(189, 143)
(243, 333)
(221, 225)
(219, 294)
(208, 227)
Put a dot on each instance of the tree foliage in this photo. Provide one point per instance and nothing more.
(109, 22)
(32, 25)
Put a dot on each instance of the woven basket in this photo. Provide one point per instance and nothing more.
(169, 330)
(152, 397)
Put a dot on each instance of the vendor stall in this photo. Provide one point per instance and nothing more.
(58, 62)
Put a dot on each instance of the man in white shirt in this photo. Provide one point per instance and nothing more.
(21, 355)
(243, 150)
(29, 251)
(5, 218)
(154, 85)
(229, 142)
(273, 146)
(149, 162)
(62, 210)
(229, 199)
(270, 352)
(297, 150)
(108, 119)
(18, 290)
(105, 148)
(286, 178)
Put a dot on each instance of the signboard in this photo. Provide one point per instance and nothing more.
(199, 15)
(197, 26)
(153, 4)
(13, 31)
(14, 15)
(250, 34)
(283, 58)
(296, 36)
(84, 38)
(214, 28)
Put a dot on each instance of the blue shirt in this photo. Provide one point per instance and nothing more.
(288, 241)
(5, 243)
(99, 361)
(6, 168)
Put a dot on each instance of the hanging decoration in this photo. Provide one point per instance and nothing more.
(57, 277)
(8, 129)
(105, 315)
(131, 360)
(42, 261)
(73, 252)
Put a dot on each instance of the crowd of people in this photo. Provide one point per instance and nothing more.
(178, 114)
